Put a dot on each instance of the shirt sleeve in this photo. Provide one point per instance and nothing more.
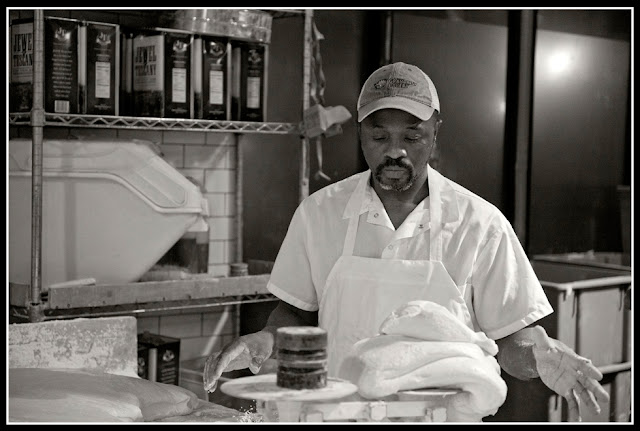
(291, 279)
(507, 295)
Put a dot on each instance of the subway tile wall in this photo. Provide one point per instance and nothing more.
(201, 333)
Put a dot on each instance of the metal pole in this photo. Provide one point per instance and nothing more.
(305, 164)
(388, 37)
(37, 123)
(523, 132)
(239, 212)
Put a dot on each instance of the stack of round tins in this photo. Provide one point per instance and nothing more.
(302, 357)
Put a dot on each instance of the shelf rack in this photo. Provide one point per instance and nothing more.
(35, 303)
(152, 123)
(91, 300)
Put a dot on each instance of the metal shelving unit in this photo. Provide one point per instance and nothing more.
(151, 123)
(34, 302)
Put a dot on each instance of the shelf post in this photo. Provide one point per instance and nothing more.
(36, 313)
(239, 197)
(305, 165)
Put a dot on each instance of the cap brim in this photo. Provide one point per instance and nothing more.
(402, 103)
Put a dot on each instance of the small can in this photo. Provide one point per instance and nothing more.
(238, 269)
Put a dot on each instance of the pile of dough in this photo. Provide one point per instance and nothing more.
(73, 395)
(429, 321)
(422, 345)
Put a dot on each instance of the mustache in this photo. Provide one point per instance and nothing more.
(388, 162)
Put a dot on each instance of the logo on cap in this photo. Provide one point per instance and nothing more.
(393, 82)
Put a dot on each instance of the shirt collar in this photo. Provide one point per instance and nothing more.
(438, 186)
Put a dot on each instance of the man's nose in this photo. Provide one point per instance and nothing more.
(396, 149)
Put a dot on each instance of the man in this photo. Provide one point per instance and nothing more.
(400, 231)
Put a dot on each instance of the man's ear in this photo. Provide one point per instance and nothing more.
(438, 123)
(436, 128)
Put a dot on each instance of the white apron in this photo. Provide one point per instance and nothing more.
(361, 292)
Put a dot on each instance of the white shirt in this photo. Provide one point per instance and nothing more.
(481, 252)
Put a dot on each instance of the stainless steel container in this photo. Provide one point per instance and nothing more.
(246, 24)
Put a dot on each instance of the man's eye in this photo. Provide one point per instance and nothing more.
(378, 137)
(413, 138)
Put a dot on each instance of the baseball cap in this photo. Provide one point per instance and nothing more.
(399, 86)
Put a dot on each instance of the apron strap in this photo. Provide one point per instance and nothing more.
(357, 197)
(435, 222)
(350, 239)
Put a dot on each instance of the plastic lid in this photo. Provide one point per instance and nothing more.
(131, 162)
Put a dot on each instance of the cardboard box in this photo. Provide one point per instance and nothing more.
(21, 69)
(100, 72)
(162, 355)
(61, 65)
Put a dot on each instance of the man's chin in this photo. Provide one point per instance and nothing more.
(398, 186)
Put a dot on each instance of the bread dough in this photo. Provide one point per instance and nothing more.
(429, 321)
(71, 395)
(423, 345)
(386, 364)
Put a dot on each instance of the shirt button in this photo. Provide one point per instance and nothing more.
(390, 247)
(375, 215)
(420, 226)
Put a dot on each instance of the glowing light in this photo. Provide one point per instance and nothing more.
(559, 62)
(502, 107)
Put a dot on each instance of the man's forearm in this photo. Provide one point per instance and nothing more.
(287, 315)
(516, 354)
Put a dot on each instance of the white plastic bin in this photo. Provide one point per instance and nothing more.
(110, 209)
(589, 309)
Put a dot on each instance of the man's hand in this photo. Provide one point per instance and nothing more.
(572, 376)
(248, 351)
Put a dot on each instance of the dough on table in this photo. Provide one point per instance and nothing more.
(73, 395)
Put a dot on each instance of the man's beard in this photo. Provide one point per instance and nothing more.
(399, 185)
